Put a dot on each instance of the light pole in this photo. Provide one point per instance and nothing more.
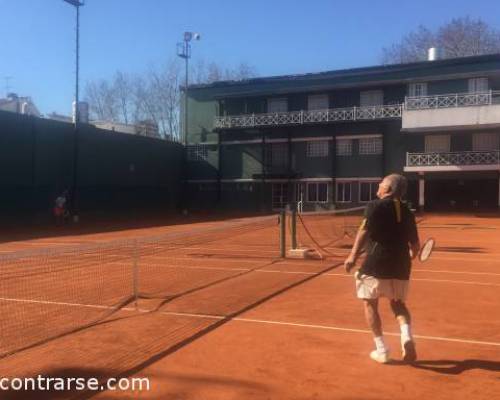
(184, 51)
(74, 205)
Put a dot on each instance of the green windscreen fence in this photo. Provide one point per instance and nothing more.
(116, 172)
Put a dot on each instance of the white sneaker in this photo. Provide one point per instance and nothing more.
(408, 350)
(379, 357)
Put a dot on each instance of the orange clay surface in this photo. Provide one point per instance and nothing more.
(288, 329)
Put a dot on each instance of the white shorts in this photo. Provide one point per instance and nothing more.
(368, 287)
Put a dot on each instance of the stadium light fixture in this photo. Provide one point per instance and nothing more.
(75, 3)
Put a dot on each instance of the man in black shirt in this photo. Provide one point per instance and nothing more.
(389, 235)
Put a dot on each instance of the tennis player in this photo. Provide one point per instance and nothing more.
(390, 236)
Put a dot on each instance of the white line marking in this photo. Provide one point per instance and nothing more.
(465, 254)
(336, 328)
(461, 282)
(455, 272)
(182, 267)
(60, 303)
(431, 280)
(225, 249)
(473, 259)
(201, 259)
(261, 321)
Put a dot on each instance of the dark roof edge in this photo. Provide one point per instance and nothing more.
(359, 71)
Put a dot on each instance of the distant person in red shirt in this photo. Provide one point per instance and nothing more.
(60, 208)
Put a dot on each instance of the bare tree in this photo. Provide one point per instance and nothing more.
(102, 100)
(213, 72)
(468, 37)
(243, 71)
(157, 96)
(154, 96)
(460, 37)
(123, 95)
(95, 100)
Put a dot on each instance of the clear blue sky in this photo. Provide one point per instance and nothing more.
(275, 36)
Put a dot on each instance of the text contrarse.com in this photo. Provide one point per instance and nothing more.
(46, 384)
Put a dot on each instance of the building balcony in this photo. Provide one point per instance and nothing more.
(460, 110)
(309, 117)
(453, 161)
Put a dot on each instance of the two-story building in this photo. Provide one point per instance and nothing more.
(324, 140)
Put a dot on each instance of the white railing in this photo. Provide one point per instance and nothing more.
(487, 157)
(452, 100)
(309, 117)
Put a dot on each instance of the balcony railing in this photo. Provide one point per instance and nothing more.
(309, 117)
(488, 157)
(452, 100)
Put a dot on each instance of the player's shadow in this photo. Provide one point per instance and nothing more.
(455, 367)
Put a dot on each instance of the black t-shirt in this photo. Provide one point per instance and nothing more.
(391, 227)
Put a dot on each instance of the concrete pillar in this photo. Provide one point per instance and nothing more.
(421, 192)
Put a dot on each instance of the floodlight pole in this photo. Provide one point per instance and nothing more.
(186, 82)
(74, 196)
(184, 51)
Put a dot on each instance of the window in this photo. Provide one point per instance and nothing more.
(317, 102)
(372, 145)
(317, 148)
(371, 98)
(197, 152)
(317, 192)
(278, 155)
(344, 147)
(417, 89)
(478, 85)
(484, 141)
(437, 143)
(367, 191)
(275, 105)
(344, 192)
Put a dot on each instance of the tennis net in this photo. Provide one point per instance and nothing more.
(49, 293)
(326, 232)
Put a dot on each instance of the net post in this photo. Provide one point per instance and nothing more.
(282, 234)
(135, 273)
(294, 229)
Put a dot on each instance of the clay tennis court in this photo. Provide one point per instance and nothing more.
(244, 324)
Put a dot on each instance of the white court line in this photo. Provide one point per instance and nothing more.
(201, 259)
(461, 282)
(454, 272)
(350, 276)
(472, 259)
(336, 328)
(203, 268)
(225, 249)
(432, 280)
(261, 321)
(466, 254)
(60, 303)
(308, 273)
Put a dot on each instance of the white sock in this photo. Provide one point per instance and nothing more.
(380, 345)
(405, 332)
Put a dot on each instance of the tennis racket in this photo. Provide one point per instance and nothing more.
(423, 255)
(426, 250)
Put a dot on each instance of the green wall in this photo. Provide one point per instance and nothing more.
(116, 172)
